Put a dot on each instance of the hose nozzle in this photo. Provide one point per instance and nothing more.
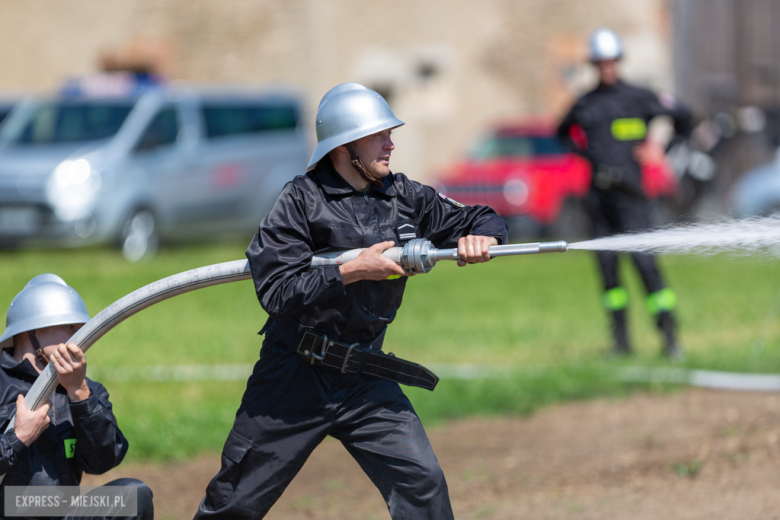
(419, 256)
(527, 249)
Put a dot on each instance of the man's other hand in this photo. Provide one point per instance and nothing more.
(71, 366)
(371, 264)
(30, 424)
(473, 249)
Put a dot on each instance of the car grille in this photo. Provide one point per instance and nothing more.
(25, 220)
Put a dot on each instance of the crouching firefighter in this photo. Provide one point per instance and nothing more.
(322, 370)
(76, 431)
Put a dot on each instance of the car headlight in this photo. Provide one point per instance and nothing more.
(516, 192)
(72, 188)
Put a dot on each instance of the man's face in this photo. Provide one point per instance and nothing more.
(608, 71)
(374, 152)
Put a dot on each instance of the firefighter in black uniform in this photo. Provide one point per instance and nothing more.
(614, 118)
(321, 370)
(76, 431)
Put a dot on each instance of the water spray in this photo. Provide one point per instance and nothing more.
(742, 237)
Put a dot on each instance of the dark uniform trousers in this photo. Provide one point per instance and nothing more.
(289, 407)
(615, 212)
(144, 496)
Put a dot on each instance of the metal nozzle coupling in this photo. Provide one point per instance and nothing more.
(418, 256)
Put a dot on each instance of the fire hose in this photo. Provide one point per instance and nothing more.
(416, 256)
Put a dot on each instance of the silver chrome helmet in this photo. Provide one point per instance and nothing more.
(346, 113)
(605, 45)
(45, 301)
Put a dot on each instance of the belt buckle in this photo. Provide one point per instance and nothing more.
(321, 357)
(346, 357)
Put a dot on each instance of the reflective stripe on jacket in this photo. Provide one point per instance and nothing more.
(615, 119)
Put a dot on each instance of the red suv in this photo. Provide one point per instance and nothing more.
(523, 172)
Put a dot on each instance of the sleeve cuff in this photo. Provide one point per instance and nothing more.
(14, 443)
(334, 284)
(496, 227)
(88, 406)
(501, 238)
(11, 450)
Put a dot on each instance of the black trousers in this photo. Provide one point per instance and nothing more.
(289, 407)
(614, 212)
(145, 504)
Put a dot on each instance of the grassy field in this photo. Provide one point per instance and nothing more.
(537, 316)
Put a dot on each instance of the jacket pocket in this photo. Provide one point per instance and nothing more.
(336, 237)
(222, 487)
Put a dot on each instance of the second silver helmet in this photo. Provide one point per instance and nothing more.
(605, 45)
(45, 301)
(346, 113)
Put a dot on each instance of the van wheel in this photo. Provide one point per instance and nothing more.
(139, 238)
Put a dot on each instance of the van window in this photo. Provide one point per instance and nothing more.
(72, 121)
(517, 146)
(162, 130)
(236, 119)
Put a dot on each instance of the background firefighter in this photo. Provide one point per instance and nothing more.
(614, 118)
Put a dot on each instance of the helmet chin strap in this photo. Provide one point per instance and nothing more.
(358, 165)
(39, 353)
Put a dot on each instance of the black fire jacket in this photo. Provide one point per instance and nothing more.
(81, 437)
(320, 212)
(614, 119)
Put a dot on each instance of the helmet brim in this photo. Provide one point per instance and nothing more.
(35, 323)
(327, 145)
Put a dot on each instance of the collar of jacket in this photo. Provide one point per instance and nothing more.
(334, 184)
(9, 364)
(619, 84)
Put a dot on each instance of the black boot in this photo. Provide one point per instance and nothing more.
(668, 327)
(621, 346)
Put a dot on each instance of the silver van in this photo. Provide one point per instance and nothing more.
(145, 165)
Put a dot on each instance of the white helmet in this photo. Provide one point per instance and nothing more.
(346, 113)
(45, 301)
(605, 45)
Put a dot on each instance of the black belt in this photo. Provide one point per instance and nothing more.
(355, 359)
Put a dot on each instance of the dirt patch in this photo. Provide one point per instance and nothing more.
(695, 455)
